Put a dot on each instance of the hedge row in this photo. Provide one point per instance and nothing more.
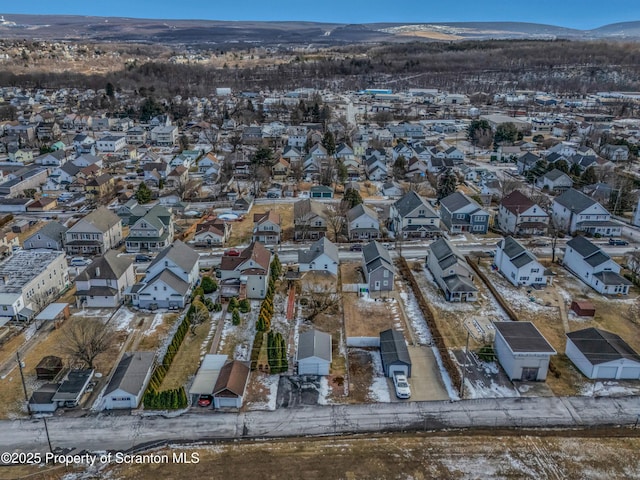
(166, 400)
(255, 350)
(277, 353)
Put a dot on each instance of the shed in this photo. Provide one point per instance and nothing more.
(314, 353)
(231, 384)
(394, 353)
(49, 368)
(583, 308)
(72, 388)
(54, 312)
(522, 351)
(41, 400)
(601, 354)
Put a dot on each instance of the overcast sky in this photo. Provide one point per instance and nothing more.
(584, 14)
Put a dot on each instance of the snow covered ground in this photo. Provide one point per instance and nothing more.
(270, 383)
(379, 389)
(609, 388)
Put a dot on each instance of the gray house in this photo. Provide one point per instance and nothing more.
(322, 256)
(451, 272)
(394, 353)
(413, 217)
(314, 353)
(522, 351)
(460, 213)
(377, 267)
(50, 236)
(129, 381)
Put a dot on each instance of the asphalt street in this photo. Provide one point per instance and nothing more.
(122, 432)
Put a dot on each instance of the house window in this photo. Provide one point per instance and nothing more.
(386, 274)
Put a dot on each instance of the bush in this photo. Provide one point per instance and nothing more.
(244, 306)
(209, 304)
(197, 292)
(233, 303)
(235, 317)
(217, 307)
(208, 285)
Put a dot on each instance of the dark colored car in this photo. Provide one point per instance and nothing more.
(233, 252)
(356, 247)
(143, 258)
(205, 400)
(618, 242)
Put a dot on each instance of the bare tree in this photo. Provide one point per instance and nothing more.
(199, 315)
(187, 188)
(336, 219)
(84, 340)
(633, 263)
(322, 301)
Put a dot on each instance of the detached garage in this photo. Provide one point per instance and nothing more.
(129, 381)
(314, 353)
(229, 389)
(522, 351)
(599, 354)
(394, 353)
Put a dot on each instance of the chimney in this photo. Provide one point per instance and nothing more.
(97, 271)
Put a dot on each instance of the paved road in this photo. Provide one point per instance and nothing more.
(124, 432)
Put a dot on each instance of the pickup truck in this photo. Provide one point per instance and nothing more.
(401, 385)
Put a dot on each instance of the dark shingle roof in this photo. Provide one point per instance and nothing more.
(523, 337)
(393, 348)
(517, 202)
(583, 246)
(322, 245)
(410, 201)
(314, 344)
(181, 254)
(575, 201)
(108, 266)
(455, 201)
(600, 346)
(131, 372)
(518, 255)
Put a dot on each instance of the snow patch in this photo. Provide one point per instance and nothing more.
(379, 388)
(270, 382)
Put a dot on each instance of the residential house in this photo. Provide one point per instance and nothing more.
(212, 233)
(518, 265)
(152, 232)
(309, 220)
(168, 280)
(522, 351)
(280, 171)
(526, 162)
(321, 191)
(30, 279)
(554, 181)
(98, 187)
(50, 236)
(249, 270)
(594, 267)
(178, 177)
(392, 189)
(43, 204)
(314, 353)
(322, 256)
(103, 283)
(266, 227)
(519, 215)
(413, 217)
(459, 213)
(573, 211)
(599, 354)
(377, 267)
(615, 153)
(362, 223)
(164, 135)
(111, 143)
(129, 381)
(94, 234)
(451, 272)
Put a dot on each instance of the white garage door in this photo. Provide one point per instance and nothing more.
(607, 372)
(398, 369)
(309, 368)
(630, 373)
(226, 402)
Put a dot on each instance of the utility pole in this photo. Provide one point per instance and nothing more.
(46, 429)
(464, 367)
(24, 385)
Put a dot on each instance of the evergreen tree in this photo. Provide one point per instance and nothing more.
(446, 184)
(329, 143)
(143, 194)
(352, 198)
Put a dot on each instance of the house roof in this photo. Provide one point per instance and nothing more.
(54, 230)
(517, 202)
(600, 346)
(314, 344)
(131, 372)
(445, 253)
(321, 246)
(612, 278)
(575, 201)
(375, 255)
(269, 216)
(171, 279)
(555, 174)
(584, 247)
(517, 254)
(360, 210)
(181, 254)
(458, 283)
(108, 266)
(410, 201)
(393, 348)
(232, 379)
(523, 337)
(456, 201)
(102, 218)
(256, 251)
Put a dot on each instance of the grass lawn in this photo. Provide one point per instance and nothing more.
(241, 231)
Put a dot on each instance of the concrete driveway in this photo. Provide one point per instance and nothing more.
(426, 382)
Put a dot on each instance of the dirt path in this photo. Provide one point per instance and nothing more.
(563, 312)
(215, 342)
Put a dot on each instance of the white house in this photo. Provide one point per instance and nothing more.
(451, 272)
(599, 354)
(322, 256)
(266, 227)
(574, 211)
(214, 233)
(555, 181)
(314, 353)
(594, 267)
(519, 215)
(129, 381)
(103, 283)
(522, 351)
(518, 265)
(168, 280)
(362, 223)
(111, 143)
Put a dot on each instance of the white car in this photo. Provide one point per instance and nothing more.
(401, 385)
(79, 262)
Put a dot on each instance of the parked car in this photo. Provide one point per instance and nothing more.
(401, 385)
(143, 258)
(79, 262)
(540, 243)
(618, 242)
(389, 246)
(205, 400)
(232, 252)
(356, 247)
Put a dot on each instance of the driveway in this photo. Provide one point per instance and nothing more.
(426, 381)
